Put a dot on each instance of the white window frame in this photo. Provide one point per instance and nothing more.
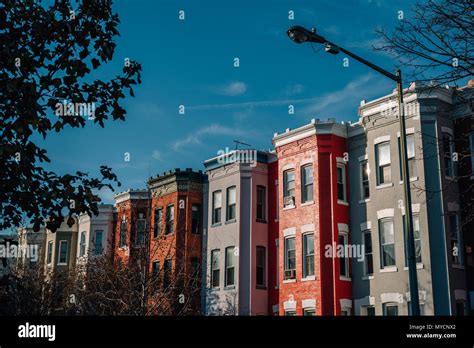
(286, 190)
(381, 245)
(389, 304)
(345, 236)
(364, 233)
(59, 252)
(218, 269)
(361, 170)
(305, 256)
(305, 185)
(228, 205)
(82, 244)
(227, 266)
(377, 163)
(344, 186)
(286, 259)
(214, 207)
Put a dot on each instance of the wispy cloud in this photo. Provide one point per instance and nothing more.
(156, 155)
(146, 110)
(325, 99)
(196, 137)
(294, 89)
(336, 102)
(232, 89)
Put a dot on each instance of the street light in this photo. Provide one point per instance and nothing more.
(300, 35)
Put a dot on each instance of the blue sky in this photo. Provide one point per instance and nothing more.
(190, 63)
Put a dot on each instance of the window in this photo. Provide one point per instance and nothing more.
(421, 305)
(390, 309)
(411, 155)
(384, 171)
(277, 263)
(364, 174)
(308, 255)
(416, 233)
(307, 183)
(261, 203)
(231, 199)
(370, 311)
(290, 258)
(63, 245)
(141, 228)
(471, 146)
(196, 218)
(387, 243)
(167, 269)
(289, 187)
(261, 267)
(82, 246)
(341, 182)
(158, 222)
(169, 219)
(215, 272)
(195, 267)
(448, 155)
(289, 313)
(50, 252)
(460, 308)
(99, 236)
(368, 253)
(123, 233)
(309, 312)
(343, 260)
(229, 266)
(455, 239)
(155, 269)
(216, 206)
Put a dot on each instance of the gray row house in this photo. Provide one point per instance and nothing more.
(380, 282)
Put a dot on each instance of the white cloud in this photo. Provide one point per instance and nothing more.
(197, 136)
(296, 88)
(357, 86)
(157, 155)
(233, 89)
(353, 92)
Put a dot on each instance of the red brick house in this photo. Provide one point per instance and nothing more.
(175, 237)
(313, 218)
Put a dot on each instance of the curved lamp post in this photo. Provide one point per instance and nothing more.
(301, 35)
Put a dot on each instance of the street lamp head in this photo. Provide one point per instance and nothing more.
(299, 35)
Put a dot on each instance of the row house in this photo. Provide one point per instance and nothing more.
(95, 239)
(130, 231)
(380, 278)
(235, 241)
(463, 117)
(313, 205)
(69, 247)
(175, 239)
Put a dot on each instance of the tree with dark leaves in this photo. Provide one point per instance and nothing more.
(46, 55)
